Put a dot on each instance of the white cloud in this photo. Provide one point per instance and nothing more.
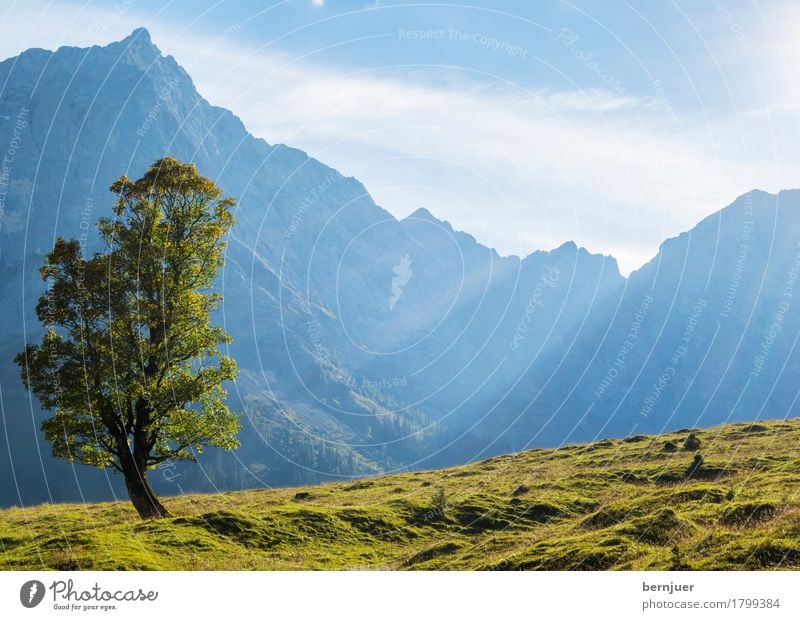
(521, 170)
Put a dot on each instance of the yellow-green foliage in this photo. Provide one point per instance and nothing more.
(623, 504)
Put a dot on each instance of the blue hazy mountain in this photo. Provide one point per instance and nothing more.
(704, 333)
(368, 343)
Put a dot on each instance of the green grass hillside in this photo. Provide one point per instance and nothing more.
(638, 503)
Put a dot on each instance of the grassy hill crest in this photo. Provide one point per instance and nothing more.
(720, 498)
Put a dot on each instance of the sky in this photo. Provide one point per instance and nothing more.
(613, 124)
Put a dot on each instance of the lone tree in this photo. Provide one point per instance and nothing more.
(129, 361)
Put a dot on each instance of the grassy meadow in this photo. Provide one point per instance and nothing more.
(721, 498)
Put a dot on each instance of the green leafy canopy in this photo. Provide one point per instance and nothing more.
(129, 362)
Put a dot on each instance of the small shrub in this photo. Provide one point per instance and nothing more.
(697, 464)
(670, 446)
(439, 501)
(437, 509)
(692, 443)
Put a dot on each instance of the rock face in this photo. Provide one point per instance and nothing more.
(370, 344)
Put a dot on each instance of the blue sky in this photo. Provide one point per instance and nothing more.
(614, 124)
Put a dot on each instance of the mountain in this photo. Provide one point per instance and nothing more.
(366, 343)
(645, 503)
(91, 115)
(307, 282)
(704, 333)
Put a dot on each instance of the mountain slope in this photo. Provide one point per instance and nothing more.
(622, 504)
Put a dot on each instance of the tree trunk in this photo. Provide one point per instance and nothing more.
(141, 494)
(134, 465)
